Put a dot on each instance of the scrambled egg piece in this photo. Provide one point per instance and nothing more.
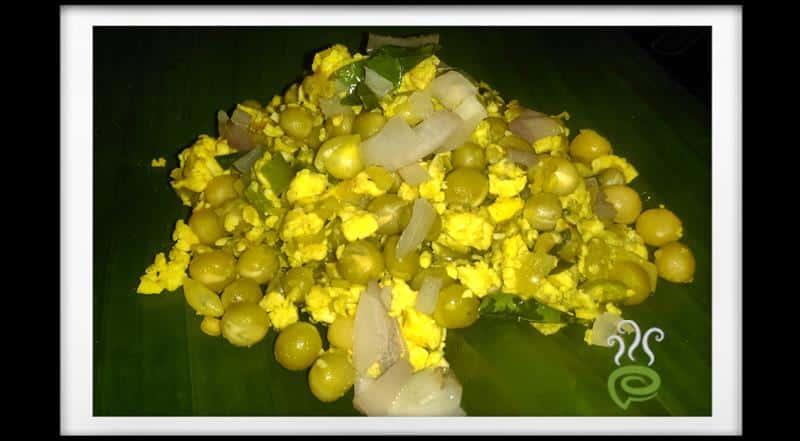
(403, 297)
(168, 274)
(506, 179)
(160, 162)
(198, 166)
(479, 278)
(553, 144)
(323, 303)
(419, 76)
(282, 311)
(462, 230)
(306, 186)
(330, 60)
(608, 161)
(504, 209)
(407, 192)
(357, 224)
(163, 274)
(433, 189)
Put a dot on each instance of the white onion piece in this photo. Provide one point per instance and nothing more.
(241, 118)
(375, 41)
(377, 399)
(433, 132)
(472, 112)
(528, 114)
(386, 297)
(522, 157)
(376, 335)
(361, 384)
(244, 163)
(421, 104)
(532, 129)
(390, 147)
(451, 88)
(604, 326)
(239, 137)
(222, 124)
(422, 217)
(428, 295)
(429, 392)
(331, 107)
(414, 174)
(376, 83)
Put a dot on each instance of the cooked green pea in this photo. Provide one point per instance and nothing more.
(589, 145)
(635, 278)
(241, 291)
(296, 122)
(466, 186)
(214, 269)
(340, 332)
(296, 283)
(626, 202)
(340, 124)
(361, 261)
(611, 176)
(259, 263)
(298, 346)
(542, 210)
(340, 156)
(514, 142)
(220, 190)
(367, 124)
(207, 226)
(560, 176)
(404, 268)
(658, 226)
(469, 155)
(453, 310)
(244, 324)
(388, 208)
(331, 376)
(675, 262)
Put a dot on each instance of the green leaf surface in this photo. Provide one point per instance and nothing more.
(156, 90)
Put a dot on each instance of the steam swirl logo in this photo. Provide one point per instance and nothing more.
(639, 383)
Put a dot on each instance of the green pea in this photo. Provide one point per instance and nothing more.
(388, 208)
(469, 155)
(466, 186)
(296, 283)
(367, 124)
(259, 263)
(298, 346)
(404, 268)
(453, 310)
(361, 261)
(542, 210)
(296, 122)
(514, 142)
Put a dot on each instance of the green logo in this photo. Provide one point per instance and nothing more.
(638, 383)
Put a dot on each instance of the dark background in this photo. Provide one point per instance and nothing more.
(684, 53)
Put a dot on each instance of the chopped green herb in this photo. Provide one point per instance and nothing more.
(511, 306)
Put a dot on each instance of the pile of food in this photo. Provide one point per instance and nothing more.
(390, 197)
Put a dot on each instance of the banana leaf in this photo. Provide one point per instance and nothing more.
(157, 89)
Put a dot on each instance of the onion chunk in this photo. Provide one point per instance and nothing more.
(376, 335)
(390, 146)
(428, 295)
(422, 217)
(414, 174)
